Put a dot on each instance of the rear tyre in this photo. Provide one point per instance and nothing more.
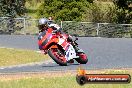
(58, 56)
(82, 58)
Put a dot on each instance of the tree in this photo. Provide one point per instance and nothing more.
(124, 11)
(12, 8)
(121, 4)
(63, 9)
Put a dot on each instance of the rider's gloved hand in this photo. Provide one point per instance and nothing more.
(70, 38)
(57, 30)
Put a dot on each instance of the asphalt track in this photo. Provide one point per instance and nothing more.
(103, 53)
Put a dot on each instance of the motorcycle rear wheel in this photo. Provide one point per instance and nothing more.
(57, 55)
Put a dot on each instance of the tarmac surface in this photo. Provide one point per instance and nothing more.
(103, 53)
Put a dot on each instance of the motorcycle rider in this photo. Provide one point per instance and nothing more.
(44, 24)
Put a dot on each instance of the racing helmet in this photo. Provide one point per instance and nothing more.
(43, 24)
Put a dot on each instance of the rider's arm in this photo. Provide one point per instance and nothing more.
(55, 27)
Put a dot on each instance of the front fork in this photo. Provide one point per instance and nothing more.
(75, 46)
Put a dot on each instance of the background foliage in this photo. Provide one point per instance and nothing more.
(95, 11)
(64, 9)
(12, 8)
(124, 10)
(113, 11)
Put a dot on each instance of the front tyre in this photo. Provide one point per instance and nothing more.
(82, 58)
(57, 55)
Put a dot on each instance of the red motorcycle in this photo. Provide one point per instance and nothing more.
(60, 48)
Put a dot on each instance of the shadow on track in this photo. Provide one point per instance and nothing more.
(56, 65)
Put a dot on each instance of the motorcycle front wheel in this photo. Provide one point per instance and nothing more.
(58, 56)
(82, 58)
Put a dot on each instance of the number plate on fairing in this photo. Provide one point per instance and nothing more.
(70, 53)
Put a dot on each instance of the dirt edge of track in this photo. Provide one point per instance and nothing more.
(52, 74)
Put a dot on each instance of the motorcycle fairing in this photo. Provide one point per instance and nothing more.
(69, 50)
(47, 38)
(63, 43)
(70, 53)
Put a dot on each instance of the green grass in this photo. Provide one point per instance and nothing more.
(58, 82)
(16, 56)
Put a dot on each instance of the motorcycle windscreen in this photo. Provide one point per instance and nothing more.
(43, 38)
(41, 35)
